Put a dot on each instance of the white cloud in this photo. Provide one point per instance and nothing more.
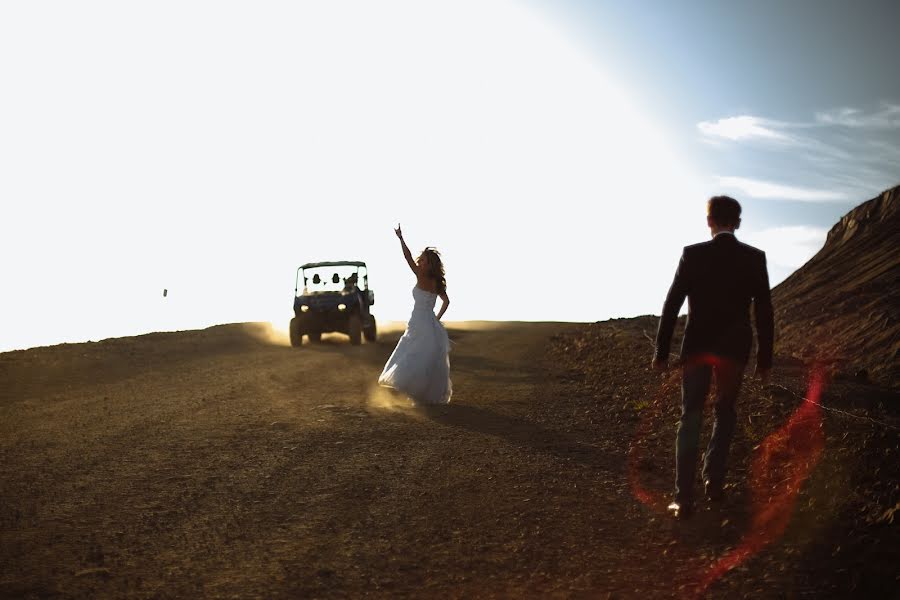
(756, 188)
(743, 127)
(790, 247)
(850, 152)
(888, 117)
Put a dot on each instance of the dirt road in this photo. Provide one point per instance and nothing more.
(221, 464)
(215, 463)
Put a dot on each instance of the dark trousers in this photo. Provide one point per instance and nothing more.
(695, 384)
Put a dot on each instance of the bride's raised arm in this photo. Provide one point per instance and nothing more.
(406, 253)
(445, 302)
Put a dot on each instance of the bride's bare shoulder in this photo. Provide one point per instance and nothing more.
(427, 284)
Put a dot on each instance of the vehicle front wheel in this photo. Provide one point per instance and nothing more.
(354, 329)
(315, 336)
(371, 332)
(295, 333)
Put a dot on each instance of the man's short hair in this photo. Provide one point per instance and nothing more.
(724, 210)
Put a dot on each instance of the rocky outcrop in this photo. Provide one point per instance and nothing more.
(843, 306)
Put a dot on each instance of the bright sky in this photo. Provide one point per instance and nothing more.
(792, 107)
(549, 150)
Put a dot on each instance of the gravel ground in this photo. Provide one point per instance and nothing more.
(222, 463)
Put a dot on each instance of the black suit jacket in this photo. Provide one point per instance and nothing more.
(720, 278)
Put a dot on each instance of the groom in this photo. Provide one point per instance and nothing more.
(720, 279)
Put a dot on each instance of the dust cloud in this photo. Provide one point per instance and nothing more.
(391, 328)
(267, 333)
(381, 400)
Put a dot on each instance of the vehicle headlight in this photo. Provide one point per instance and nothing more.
(304, 308)
(342, 306)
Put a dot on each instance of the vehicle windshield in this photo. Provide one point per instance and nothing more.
(331, 279)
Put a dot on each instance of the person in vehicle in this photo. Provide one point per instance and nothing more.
(351, 282)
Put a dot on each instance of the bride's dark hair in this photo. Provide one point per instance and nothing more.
(435, 268)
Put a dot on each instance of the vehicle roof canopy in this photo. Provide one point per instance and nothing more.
(336, 263)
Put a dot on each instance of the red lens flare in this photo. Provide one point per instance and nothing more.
(783, 463)
(780, 466)
(657, 500)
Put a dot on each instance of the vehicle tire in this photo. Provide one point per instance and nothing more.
(315, 336)
(295, 333)
(371, 332)
(354, 329)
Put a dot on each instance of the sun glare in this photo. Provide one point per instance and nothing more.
(210, 148)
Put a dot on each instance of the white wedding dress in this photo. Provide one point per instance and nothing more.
(420, 364)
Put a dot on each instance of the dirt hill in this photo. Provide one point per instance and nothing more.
(843, 305)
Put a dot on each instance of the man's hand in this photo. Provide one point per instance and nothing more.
(398, 232)
(660, 365)
(762, 375)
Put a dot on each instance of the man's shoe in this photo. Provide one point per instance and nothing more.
(681, 511)
(714, 493)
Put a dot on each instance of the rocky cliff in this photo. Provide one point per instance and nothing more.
(843, 306)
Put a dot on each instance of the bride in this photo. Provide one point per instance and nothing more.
(420, 366)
